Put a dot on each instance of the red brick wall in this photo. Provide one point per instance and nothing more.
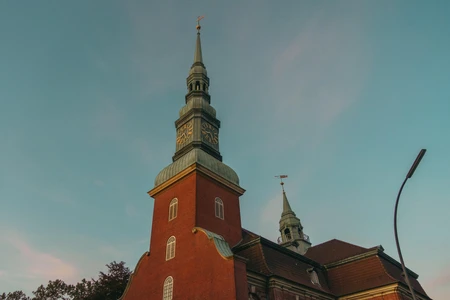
(230, 228)
(198, 270)
(240, 275)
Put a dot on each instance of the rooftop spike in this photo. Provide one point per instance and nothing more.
(198, 59)
(286, 206)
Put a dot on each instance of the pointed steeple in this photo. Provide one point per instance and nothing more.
(197, 126)
(197, 131)
(198, 58)
(291, 229)
(286, 206)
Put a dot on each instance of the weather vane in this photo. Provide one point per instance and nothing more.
(198, 23)
(281, 179)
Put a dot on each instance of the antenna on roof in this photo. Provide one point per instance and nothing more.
(281, 179)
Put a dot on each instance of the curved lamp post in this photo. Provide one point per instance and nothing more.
(409, 175)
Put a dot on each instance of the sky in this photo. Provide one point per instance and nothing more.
(340, 96)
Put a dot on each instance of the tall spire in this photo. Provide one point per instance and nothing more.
(198, 59)
(291, 229)
(286, 206)
(197, 127)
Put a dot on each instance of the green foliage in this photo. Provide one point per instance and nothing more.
(17, 295)
(108, 286)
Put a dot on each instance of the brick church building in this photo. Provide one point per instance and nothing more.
(199, 250)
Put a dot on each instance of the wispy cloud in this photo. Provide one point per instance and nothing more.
(438, 286)
(317, 76)
(30, 266)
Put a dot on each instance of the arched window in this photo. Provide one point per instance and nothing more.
(173, 209)
(219, 208)
(170, 248)
(190, 87)
(168, 288)
(197, 85)
(287, 233)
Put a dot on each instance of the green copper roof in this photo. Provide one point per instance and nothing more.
(198, 103)
(221, 245)
(197, 155)
(198, 50)
(198, 66)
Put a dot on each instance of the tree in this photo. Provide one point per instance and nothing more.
(55, 290)
(108, 286)
(17, 295)
(112, 285)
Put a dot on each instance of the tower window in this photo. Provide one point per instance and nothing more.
(190, 87)
(170, 248)
(287, 233)
(204, 87)
(219, 208)
(173, 209)
(197, 85)
(168, 288)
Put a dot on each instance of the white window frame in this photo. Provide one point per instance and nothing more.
(173, 209)
(219, 209)
(170, 248)
(168, 288)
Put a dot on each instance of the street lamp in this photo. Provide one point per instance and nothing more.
(409, 175)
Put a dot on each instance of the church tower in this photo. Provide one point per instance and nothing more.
(196, 216)
(291, 229)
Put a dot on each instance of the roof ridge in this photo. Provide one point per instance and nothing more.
(289, 252)
(248, 231)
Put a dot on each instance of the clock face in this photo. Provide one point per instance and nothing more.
(209, 133)
(184, 133)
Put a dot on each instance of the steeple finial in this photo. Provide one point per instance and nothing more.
(198, 23)
(286, 206)
(281, 179)
(198, 59)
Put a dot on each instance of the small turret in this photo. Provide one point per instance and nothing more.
(291, 229)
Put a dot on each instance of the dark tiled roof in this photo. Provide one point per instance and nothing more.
(271, 259)
(334, 250)
(358, 269)
(396, 273)
(358, 276)
(247, 236)
(292, 268)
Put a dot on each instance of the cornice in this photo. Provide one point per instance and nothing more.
(199, 168)
(317, 292)
(352, 258)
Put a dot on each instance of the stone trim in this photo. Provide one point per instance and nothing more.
(196, 167)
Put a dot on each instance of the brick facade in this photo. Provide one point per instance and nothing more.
(198, 269)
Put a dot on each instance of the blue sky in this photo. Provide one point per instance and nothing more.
(341, 96)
